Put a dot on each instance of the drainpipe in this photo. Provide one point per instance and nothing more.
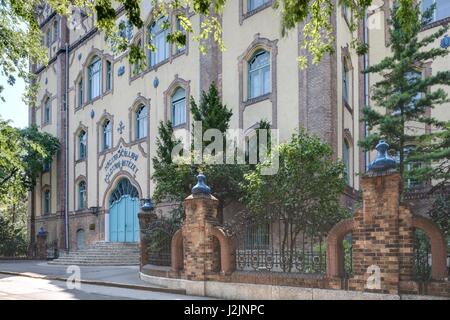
(66, 155)
(366, 86)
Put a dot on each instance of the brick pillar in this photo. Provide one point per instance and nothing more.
(41, 246)
(145, 219)
(382, 236)
(200, 248)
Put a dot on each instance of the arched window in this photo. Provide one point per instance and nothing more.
(82, 145)
(254, 4)
(141, 122)
(107, 135)
(108, 75)
(158, 32)
(179, 107)
(46, 206)
(82, 195)
(259, 81)
(80, 93)
(47, 110)
(94, 74)
(346, 159)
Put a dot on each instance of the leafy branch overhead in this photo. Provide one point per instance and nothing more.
(20, 35)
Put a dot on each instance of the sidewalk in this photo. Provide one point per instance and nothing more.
(114, 276)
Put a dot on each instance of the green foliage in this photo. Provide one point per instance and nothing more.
(402, 97)
(23, 153)
(174, 181)
(20, 36)
(304, 193)
(440, 214)
(13, 230)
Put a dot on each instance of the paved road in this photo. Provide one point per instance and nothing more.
(25, 288)
(118, 274)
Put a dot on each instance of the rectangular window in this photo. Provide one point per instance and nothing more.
(254, 4)
(441, 11)
(180, 28)
(179, 112)
(108, 75)
(80, 93)
(49, 37)
(345, 83)
(94, 79)
(55, 30)
(47, 204)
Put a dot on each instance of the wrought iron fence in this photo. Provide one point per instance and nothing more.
(275, 247)
(52, 250)
(158, 238)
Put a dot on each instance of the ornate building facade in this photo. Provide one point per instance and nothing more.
(112, 112)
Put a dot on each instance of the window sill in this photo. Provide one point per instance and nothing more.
(180, 126)
(347, 105)
(250, 13)
(44, 124)
(80, 160)
(140, 140)
(251, 101)
(437, 23)
(104, 151)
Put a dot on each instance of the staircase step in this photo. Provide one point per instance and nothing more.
(102, 253)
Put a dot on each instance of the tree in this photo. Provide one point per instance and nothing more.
(303, 196)
(403, 96)
(174, 180)
(20, 36)
(23, 153)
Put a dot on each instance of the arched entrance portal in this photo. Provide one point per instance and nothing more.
(123, 213)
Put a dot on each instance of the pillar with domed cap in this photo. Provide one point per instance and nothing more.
(382, 234)
(206, 247)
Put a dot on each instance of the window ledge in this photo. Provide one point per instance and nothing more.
(347, 105)
(80, 160)
(179, 126)
(248, 14)
(257, 99)
(436, 24)
(140, 140)
(104, 151)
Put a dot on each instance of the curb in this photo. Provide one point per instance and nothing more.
(97, 282)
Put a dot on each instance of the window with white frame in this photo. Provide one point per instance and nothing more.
(255, 4)
(46, 202)
(47, 110)
(179, 107)
(81, 195)
(158, 32)
(441, 11)
(107, 134)
(94, 74)
(82, 138)
(259, 82)
(141, 122)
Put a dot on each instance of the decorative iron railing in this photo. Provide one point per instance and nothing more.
(158, 238)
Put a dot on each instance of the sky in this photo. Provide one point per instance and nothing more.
(13, 108)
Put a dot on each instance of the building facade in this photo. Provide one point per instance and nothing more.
(112, 112)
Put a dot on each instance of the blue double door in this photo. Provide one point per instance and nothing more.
(123, 220)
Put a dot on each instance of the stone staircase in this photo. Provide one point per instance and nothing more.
(101, 254)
